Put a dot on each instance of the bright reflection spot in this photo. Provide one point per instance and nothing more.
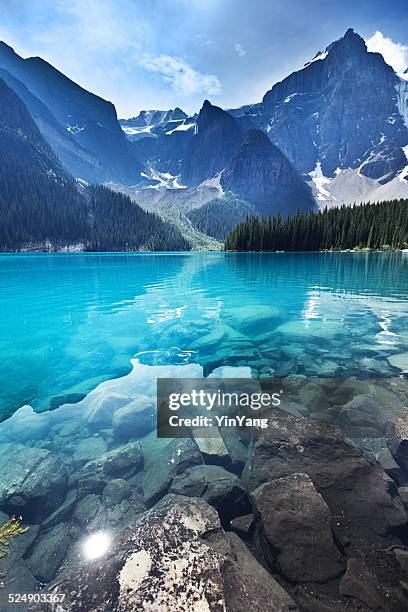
(96, 545)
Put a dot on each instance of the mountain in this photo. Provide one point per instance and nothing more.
(346, 109)
(80, 161)
(90, 120)
(217, 138)
(152, 123)
(261, 174)
(42, 207)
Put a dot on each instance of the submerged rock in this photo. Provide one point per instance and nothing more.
(88, 449)
(361, 584)
(48, 553)
(134, 420)
(165, 459)
(358, 492)
(32, 481)
(397, 440)
(242, 525)
(121, 462)
(175, 557)
(294, 524)
(218, 487)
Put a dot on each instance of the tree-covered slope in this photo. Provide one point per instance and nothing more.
(376, 226)
(40, 203)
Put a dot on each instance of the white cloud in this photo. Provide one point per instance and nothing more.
(240, 50)
(180, 76)
(395, 54)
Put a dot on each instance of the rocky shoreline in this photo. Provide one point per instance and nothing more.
(299, 516)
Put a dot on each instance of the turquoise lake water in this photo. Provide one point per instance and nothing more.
(70, 321)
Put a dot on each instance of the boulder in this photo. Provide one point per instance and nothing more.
(218, 487)
(357, 491)
(248, 586)
(100, 406)
(18, 579)
(165, 459)
(115, 491)
(397, 440)
(87, 509)
(134, 420)
(212, 447)
(403, 493)
(25, 425)
(253, 319)
(63, 511)
(88, 449)
(48, 552)
(32, 481)
(294, 527)
(242, 525)
(361, 584)
(174, 557)
(399, 361)
(121, 462)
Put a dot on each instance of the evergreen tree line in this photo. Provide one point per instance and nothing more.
(39, 204)
(382, 225)
(219, 216)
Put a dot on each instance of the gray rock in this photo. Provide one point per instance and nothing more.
(248, 586)
(18, 579)
(134, 420)
(121, 462)
(218, 487)
(402, 558)
(87, 508)
(397, 440)
(48, 553)
(361, 584)
(294, 524)
(88, 449)
(100, 407)
(26, 425)
(115, 491)
(63, 511)
(242, 525)
(213, 449)
(403, 493)
(165, 459)
(399, 361)
(32, 481)
(164, 562)
(357, 491)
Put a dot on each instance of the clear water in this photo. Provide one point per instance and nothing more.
(70, 321)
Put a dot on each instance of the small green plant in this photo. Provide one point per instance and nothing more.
(9, 530)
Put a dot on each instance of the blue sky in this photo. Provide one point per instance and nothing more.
(166, 53)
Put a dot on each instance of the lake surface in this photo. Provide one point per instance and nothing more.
(71, 321)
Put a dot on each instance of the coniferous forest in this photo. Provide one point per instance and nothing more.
(43, 207)
(382, 225)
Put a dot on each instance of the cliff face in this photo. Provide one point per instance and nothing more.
(342, 109)
(260, 173)
(216, 140)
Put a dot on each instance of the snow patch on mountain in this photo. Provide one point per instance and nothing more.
(318, 57)
(319, 181)
(132, 131)
(162, 180)
(402, 93)
(183, 127)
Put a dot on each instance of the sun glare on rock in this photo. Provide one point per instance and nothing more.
(96, 545)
